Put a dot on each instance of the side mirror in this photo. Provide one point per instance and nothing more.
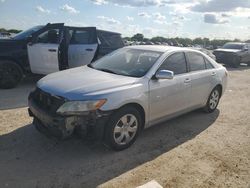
(30, 40)
(164, 74)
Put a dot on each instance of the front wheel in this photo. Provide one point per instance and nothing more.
(235, 62)
(213, 100)
(123, 128)
(10, 74)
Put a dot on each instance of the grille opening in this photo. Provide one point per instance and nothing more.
(46, 101)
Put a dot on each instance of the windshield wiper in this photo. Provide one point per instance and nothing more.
(90, 65)
(107, 70)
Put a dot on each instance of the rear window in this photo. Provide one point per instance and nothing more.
(110, 39)
(196, 61)
(82, 36)
(208, 64)
(233, 46)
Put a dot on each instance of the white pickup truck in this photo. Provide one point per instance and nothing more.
(51, 48)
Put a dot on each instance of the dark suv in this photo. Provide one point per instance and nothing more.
(51, 48)
(233, 54)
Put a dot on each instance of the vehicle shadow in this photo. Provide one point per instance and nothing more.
(30, 159)
(18, 96)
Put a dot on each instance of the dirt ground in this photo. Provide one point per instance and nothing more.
(194, 150)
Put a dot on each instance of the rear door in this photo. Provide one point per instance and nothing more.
(82, 46)
(43, 51)
(201, 77)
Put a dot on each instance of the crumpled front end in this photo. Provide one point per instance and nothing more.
(43, 107)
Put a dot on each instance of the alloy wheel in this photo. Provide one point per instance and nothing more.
(214, 99)
(125, 129)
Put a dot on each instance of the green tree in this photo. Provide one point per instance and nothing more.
(198, 41)
(14, 31)
(138, 37)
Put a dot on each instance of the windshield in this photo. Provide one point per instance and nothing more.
(26, 33)
(233, 46)
(127, 62)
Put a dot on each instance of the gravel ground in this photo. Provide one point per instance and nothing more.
(194, 150)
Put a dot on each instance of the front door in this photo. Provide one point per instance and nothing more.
(170, 96)
(43, 51)
(82, 46)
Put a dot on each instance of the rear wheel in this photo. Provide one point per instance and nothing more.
(10, 74)
(213, 100)
(123, 128)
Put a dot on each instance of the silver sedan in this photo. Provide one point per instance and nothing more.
(133, 88)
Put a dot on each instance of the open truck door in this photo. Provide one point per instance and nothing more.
(44, 49)
(82, 46)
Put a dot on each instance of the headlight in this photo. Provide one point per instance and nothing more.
(78, 107)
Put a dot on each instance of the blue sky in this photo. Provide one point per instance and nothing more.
(168, 18)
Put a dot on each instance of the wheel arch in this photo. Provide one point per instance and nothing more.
(14, 61)
(138, 107)
(219, 86)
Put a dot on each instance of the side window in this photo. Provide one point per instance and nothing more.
(196, 61)
(176, 63)
(50, 36)
(110, 40)
(82, 37)
(208, 64)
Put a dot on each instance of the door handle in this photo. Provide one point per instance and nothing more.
(187, 80)
(213, 73)
(89, 49)
(52, 50)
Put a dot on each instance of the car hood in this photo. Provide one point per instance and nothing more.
(227, 50)
(82, 82)
(7, 45)
(10, 41)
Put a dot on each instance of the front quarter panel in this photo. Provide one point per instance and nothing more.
(136, 93)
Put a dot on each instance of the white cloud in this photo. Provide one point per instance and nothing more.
(159, 16)
(99, 2)
(130, 18)
(42, 10)
(109, 20)
(139, 3)
(241, 12)
(226, 15)
(160, 22)
(144, 14)
(214, 19)
(220, 5)
(2, 1)
(69, 9)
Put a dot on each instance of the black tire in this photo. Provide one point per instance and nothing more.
(109, 137)
(235, 62)
(210, 108)
(10, 74)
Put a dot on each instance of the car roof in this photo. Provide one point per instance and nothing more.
(239, 43)
(161, 48)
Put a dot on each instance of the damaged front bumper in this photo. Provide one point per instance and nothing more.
(90, 123)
